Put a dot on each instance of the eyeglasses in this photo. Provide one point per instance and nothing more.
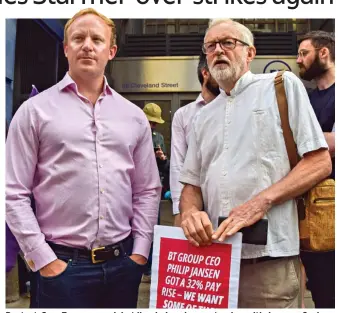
(304, 52)
(225, 44)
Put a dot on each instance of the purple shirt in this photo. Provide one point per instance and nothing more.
(92, 171)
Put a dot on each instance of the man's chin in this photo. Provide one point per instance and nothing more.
(301, 74)
(222, 75)
(89, 71)
(305, 76)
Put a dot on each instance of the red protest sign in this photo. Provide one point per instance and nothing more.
(193, 277)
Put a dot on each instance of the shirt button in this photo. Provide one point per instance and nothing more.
(101, 217)
(225, 173)
(100, 166)
(102, 191)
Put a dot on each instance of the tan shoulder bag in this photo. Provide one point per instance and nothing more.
(316, 209)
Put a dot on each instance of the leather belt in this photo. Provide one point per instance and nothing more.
(259, 260)
(96, 255)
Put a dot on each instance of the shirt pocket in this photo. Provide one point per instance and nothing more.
(268, 132)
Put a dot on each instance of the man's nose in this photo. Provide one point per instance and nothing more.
(88, 44)
(299, 59)
(218, 49)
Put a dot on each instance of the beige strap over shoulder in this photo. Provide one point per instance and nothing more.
(284, 116)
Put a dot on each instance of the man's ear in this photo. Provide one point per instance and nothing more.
(205, 74)
(65, 49)
(112, 52)
(251, 53)
(324, 53)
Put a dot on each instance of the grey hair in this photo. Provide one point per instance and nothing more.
(245, 33)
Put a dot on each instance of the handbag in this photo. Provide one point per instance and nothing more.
(316, 208)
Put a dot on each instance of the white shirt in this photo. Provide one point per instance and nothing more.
(180, 130)
(237, 149)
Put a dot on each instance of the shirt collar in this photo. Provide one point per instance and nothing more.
(67, 81)
(200, 100)
(240, 85)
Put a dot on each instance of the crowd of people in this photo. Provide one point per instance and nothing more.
(96, 167)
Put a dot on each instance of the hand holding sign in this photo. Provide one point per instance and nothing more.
(185, 276)
(197, 227)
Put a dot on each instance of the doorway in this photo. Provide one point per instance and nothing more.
(169, 103)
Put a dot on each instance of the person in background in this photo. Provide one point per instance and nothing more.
(153, 113)
(86, 154)
(180, 129)
(316, 61)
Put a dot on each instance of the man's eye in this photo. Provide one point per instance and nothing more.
(210, 45)
(227, 42)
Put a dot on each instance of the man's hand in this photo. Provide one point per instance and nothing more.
(53, 268)
(330, 140)
(160, 154)
(197, 227)
(244, 215)
(139, 259)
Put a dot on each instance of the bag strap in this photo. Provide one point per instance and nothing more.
(284, 116)
(290, 144)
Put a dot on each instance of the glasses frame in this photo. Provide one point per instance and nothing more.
(300, 52)
(224, 49)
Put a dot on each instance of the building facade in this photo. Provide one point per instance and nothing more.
(157, 58)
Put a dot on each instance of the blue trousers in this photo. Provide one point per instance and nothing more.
(111, 284)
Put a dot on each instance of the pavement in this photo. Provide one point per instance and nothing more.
(143, 299)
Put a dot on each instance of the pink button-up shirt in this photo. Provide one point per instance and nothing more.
(92, 171)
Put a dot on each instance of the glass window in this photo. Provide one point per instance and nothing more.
(175, 26)
(186, 26)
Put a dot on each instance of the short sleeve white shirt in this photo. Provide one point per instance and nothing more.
(180, 130)
(237, 149)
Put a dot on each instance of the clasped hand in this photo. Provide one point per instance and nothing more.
(198, 228)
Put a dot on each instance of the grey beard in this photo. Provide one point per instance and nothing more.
(228, 75)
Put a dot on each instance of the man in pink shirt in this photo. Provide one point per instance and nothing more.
(86, 154)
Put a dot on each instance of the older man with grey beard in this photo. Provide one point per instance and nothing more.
(237, 166)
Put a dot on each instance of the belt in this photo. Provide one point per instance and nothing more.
(259, 260)
(99, 254)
